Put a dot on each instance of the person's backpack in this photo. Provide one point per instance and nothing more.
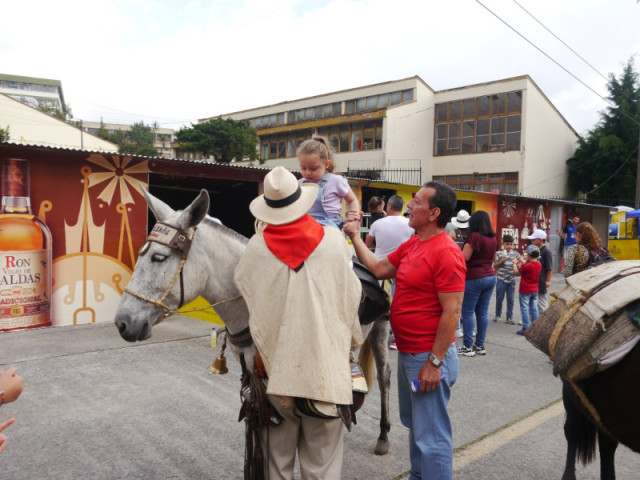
(599, 257)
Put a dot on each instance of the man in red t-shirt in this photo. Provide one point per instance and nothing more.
(430, 277)
(529, 273)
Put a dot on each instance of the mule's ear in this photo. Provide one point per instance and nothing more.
(159, 209)
(194, 213)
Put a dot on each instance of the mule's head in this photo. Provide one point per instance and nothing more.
(142, 305)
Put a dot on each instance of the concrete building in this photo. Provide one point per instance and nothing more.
(40, 93)
(164, 136)
(29, 126)
(503, 136)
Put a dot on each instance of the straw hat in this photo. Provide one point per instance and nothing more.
(283, 201)
(461, 220)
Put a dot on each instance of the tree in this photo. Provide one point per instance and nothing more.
(4, 134)
(63, 114)
(604, 164)
(140, 139)
(225, 139)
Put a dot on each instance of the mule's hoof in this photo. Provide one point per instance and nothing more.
(382, 447)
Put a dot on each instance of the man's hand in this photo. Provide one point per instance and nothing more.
(352, 227)
(12, 384)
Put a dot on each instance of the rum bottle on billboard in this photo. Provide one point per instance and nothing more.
(25, 254)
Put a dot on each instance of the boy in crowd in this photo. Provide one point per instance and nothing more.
(529, 273)
(506, 278)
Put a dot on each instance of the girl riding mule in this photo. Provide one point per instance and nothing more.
(188, 255)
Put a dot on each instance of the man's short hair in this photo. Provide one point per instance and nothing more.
(507, 238)
(445, 199)
(396, 203)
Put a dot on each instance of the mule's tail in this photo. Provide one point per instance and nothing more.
(578, 428)
(367, 362)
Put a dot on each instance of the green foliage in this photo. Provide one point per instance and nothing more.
(65, 114)
(604, 164)
(4, 134)
(140, 139)
(224, 139)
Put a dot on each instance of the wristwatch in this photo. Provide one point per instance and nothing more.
(435, 360)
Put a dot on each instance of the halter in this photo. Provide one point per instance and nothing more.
(179, 240)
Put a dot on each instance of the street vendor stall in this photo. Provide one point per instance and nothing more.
(624, 243)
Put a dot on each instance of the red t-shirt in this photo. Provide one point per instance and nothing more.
(424, 268)
(480, 264)
(529, 276)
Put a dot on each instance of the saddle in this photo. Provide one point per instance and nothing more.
(594, 321)
(374, 302)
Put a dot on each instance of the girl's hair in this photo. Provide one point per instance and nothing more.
(320, 146)
(481, 223)
(588, 236)
(374, 204)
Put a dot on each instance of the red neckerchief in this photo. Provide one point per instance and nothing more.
(294, 242)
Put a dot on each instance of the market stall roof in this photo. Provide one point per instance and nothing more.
(634, 214)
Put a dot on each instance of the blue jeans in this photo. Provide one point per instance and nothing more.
(528, 308)
(501, 289)
(477, 295)
(426, 417)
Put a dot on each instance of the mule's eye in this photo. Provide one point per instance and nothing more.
(157, 257)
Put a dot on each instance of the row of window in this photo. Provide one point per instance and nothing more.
(375, 102)
(358, 105)
(33, 87)
(349, 137)
(484, 106)
(490, 123)
(503, 182)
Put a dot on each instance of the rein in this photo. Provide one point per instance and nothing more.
(179, 240)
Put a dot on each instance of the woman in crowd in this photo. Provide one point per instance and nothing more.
(479, 251)
(577, 257)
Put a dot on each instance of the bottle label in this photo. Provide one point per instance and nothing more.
(24, 289)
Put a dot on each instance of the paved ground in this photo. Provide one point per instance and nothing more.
(97, 407)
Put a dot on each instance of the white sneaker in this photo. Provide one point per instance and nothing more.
(519, 322)
(459, 333)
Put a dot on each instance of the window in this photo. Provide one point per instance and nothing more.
(490, 123)
(504, 182)
(347, 137)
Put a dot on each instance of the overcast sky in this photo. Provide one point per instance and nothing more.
(177, 61)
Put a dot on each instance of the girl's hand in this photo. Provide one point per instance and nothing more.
(3, 437)
(354, 215)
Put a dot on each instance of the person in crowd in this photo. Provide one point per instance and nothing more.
(11, 386)
(303, 296)
(577, 257)
(316, 165)
(529, 273)
(375, 207)
(538, 239)
(479, 252)
(389, 233)
(505, 278)
(460, 227)
(568, 234)
(430, 270)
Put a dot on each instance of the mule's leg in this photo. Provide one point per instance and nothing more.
(607, 457)
(378, 338)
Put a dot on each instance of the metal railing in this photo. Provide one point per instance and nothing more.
(408, 172)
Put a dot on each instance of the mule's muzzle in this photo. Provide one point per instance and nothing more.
(130, 330)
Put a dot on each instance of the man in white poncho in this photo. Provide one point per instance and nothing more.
(303, 299)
